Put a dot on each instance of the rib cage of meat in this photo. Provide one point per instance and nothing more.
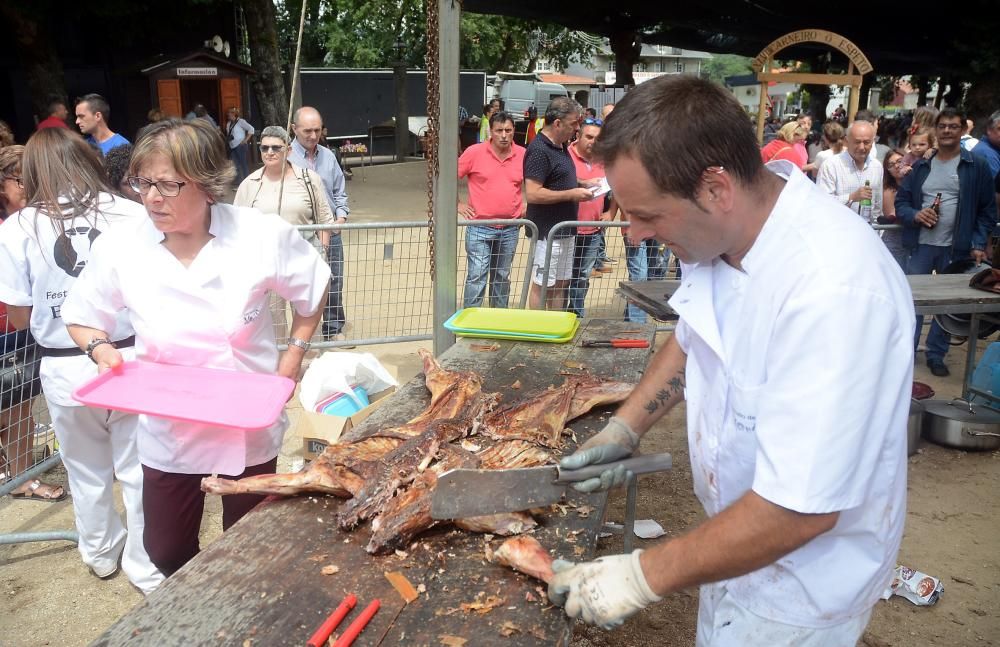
(389, 475)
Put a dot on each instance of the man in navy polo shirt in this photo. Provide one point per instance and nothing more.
(553, 191)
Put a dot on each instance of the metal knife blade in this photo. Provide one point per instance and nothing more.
(462, 493)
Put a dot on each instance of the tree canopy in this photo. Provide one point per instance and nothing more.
(363, 33)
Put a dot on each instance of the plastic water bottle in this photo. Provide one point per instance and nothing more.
(865, 206)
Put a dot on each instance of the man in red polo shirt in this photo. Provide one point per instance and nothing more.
(588, 239)
(57, 115)
(495, 169)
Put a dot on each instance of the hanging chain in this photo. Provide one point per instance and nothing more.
(433, 114)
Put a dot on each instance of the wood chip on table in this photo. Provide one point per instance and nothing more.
(516, 366)
(584, 511)
(452, 641)
(318, 558)
(330, 569)
(574, 365)
(516, 384)
(403, 586)
(482, 604)
(509, 629)
(485, 348)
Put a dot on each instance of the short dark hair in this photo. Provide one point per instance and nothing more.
(950, 113)
(116, 163)
(560, 108)
(500, 116)
(54, 103)
(96, 103)
(591, 112)
(865, 115)
(677, 126)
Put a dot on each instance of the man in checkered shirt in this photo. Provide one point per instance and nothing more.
(843, 176)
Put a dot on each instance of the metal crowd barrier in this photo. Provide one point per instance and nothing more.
(28, 447)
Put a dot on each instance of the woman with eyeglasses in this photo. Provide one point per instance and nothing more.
(194, 279)
(44, 249)
(296, 194)
(891, 179)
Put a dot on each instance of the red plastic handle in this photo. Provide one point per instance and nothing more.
(358, 625)
(319, 638)
(629, 343)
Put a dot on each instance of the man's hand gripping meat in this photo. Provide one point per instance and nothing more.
(602, 592)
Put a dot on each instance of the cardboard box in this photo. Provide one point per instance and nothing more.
(319, 430)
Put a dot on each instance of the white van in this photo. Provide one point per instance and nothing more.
(519, 95)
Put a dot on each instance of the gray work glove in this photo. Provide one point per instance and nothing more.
(615, 442)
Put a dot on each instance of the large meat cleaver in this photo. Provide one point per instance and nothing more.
(465, 493)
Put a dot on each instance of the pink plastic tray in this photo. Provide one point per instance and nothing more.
(210, 396)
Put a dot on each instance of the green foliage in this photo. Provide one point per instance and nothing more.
(362, 33)
(722, 65)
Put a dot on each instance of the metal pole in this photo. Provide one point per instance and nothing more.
(446, 183)
(402, 118)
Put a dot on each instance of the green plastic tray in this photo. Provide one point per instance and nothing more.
(514, 321)
(487, 334)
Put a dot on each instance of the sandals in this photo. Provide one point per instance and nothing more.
(35, 492)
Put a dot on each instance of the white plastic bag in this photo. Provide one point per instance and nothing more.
(337, 372)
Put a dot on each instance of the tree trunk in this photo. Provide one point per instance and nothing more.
(41, 64)
(819, 95)
(867, 83)
(980, 102)
(922, 83)
(939, 92)
(267, 84)
(626, 48)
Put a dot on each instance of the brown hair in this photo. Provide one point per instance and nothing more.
(10, 167)
(63, 177)
(929, 132)
(6, 135)
(194, 148)
(677, 126)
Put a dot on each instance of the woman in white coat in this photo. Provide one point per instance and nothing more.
(43, 250)
(194, 279)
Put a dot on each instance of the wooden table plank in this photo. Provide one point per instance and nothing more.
(260, 583)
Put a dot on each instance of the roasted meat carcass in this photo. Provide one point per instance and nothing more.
(526, 555)
(390, 474)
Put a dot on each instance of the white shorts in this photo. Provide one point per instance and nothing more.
(724, 623)
(561, 265)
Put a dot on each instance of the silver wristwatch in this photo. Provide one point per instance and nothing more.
(295, 341)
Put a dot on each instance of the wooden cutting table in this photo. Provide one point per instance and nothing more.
(932, 294)
(260, 583)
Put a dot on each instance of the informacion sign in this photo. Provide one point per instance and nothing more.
(197, 71)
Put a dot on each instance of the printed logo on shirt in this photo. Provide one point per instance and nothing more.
(72, 249)
(250, 316)
(744, 422)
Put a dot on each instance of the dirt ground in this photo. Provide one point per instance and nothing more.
(47, 597)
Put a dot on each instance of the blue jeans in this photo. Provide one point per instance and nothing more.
(636, 260)
(490, 254)
(239, 157)
(924, 259)
(602, 247)
(588, 246)
(657, 260)
(334, 316)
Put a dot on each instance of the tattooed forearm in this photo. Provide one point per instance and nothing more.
(675, 387)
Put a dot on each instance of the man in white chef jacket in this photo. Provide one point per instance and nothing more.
(796, 370)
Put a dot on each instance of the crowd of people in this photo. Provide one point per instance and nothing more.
(924, 173)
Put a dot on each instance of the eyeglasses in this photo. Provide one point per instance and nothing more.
(590, 121)
(17, 180)
(167, 188)
(895, 163)
(949, 126)
(265, 148)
